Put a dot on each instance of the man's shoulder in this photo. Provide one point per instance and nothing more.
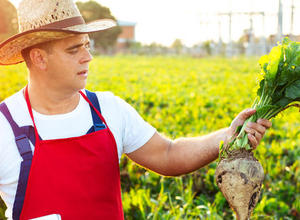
(106, 97)
(105, 94)
(112, 103)
(16, 105)
(12, 103)
(14, 99)
(16, 102)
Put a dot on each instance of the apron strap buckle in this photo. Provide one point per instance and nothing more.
(24, 147)
(99, 127)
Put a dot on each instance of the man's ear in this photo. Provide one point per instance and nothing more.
(39, 58)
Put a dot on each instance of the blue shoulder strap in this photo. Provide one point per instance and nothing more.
(21, 139)
(26, 153)
(98, 123)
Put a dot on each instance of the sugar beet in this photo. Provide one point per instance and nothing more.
(240, 177)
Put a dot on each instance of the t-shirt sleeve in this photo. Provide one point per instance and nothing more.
(136, 131)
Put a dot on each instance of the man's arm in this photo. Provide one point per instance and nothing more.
(184, 155)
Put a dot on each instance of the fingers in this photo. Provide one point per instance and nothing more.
(261, 125)
(253, 141)
(256, 131)
(264, 122)
(246, 113)
(240, 119)
(254, 137)
(255, 126)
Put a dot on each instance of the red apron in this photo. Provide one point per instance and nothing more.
(77, 178)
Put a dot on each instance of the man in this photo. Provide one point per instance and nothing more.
(77, 136)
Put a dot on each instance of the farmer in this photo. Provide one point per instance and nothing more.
(78, 136)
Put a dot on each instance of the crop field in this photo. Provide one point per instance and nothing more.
(183, 96)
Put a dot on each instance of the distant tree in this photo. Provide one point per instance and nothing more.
(177, 45)
(8, 20)
(91, 11)
(207, 47)
(133, 46)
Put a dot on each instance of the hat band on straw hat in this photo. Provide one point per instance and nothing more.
(64, 23)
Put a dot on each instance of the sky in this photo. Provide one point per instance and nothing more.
(194, 21)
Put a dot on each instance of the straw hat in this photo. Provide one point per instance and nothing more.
(45, 20)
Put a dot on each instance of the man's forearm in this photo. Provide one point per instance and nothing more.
(184, 155)
(189, 154)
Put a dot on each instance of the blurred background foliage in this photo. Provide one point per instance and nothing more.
(8, 20)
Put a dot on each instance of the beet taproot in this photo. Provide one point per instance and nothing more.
(240, 178)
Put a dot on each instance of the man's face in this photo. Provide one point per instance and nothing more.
(68, 63)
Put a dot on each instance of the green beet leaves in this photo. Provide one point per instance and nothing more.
(278, 90)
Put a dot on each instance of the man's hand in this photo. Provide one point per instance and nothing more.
(255, 131)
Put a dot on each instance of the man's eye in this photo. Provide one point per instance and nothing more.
(73, 51)
(87, 47)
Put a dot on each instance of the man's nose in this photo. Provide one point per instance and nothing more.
(87, 57)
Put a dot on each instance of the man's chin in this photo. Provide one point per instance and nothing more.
(79, 87)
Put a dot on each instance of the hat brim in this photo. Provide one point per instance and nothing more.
(10, 50)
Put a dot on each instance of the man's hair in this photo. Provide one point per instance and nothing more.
(47, 46)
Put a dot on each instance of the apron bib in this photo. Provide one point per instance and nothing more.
(77, 178)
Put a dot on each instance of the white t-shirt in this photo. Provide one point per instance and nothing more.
(129, 129)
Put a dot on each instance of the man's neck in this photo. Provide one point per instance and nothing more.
(49, 101)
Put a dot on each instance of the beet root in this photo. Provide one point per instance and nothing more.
(239, 178)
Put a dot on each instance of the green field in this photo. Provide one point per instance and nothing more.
(183, 96)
